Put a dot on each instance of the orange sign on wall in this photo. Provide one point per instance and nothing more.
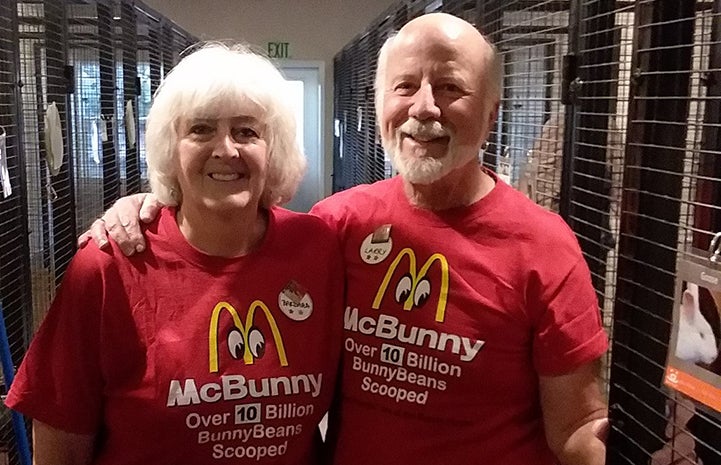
(693, 387)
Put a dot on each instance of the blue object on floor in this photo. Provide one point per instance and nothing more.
(21, 434)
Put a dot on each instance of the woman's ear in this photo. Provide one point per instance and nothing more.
(493, 115)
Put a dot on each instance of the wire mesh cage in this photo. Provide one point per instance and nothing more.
(150, 70)
(14, 253)
(90, 54)
(51, 223)
(68, 114)
(528, 141)
(668, 119)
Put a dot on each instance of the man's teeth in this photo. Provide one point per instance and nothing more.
(225, 176)
(421, 138)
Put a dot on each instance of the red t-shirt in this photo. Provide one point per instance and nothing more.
(450, 318)
(172, 356)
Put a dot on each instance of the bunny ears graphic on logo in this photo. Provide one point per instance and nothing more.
(245, 340)
(414, 287)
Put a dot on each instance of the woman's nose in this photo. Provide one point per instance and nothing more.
(225, 146)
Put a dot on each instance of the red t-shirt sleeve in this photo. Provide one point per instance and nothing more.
(568, 330)
(328, 211)
(334, 214)
(60, 380)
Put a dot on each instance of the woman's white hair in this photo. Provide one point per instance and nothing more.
(215, 81)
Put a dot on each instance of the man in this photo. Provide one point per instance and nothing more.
(472, 332)
(547, 151)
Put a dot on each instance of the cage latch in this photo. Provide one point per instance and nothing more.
(637, 77)
(715, 249)
(571, 84)
(616, 416)
(708, 79)
(69, 75)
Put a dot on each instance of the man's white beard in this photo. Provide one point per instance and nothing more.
(427, 169)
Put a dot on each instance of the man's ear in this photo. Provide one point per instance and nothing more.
(492, 116)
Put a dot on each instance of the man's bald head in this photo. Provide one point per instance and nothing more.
(440, 29)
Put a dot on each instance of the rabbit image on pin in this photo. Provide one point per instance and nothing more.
(696, 342)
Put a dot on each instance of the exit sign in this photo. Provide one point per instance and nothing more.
(278, 50)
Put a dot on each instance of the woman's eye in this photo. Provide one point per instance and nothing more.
(201, 129)
(246, 133)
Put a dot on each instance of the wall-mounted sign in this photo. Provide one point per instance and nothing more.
(694, 366)
(279, 49)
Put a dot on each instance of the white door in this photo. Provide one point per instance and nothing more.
(305, 82)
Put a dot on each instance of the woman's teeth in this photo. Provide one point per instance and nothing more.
(225, 176)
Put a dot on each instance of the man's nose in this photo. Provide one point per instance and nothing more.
(225, 145)
(424, 105)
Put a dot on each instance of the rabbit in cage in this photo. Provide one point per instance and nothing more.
(696, 341)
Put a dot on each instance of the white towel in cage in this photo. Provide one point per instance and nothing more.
(53, 139)
(4, 173)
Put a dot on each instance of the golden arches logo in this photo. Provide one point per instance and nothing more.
(244, 336)
(413, 289)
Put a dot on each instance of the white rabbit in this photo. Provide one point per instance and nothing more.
(696, 341)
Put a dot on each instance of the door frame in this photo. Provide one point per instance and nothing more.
(319, 67)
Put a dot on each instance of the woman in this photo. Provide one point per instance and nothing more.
(220, 343)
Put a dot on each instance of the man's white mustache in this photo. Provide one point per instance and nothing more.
(424, 129)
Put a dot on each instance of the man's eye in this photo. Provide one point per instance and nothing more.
(449, 87)
(403, 87)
